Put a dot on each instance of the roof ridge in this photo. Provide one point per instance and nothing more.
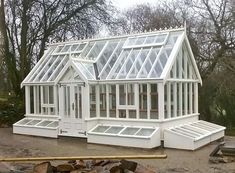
(132, 34)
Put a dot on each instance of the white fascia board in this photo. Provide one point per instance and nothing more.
(172, 57)
(193, 59)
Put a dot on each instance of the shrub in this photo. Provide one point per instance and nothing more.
(11, 111)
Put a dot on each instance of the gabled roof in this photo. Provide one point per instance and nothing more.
(147, 55)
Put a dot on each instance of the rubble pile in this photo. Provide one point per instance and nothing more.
(93, 166)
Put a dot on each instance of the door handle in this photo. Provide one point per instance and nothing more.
(73, 106)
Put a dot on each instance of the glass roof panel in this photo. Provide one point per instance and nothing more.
(106, 54)
(131, 41)
(114, 129)
(130, 131)
(44, 123)
(109, 65)
(160, 38)
(140, 40)
(146, 67)
(119, 63)
(58, 49)
(45, 68)
(89, 67)
(33, 122)
(95, 51)
(84, 70)
(74, 47)
(86, 50)
(128, 64)
(24, 121)
(53, 124)
(139, 62)
(81, 47)
(100, 129)
(59, 68)
(146, 40)
(53, 67)
(157, 70)
(66, 48)
(145, 132)
(150, 39)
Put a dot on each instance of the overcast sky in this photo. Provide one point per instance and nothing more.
(124, 4)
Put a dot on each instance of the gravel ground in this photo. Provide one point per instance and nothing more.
(178, 161)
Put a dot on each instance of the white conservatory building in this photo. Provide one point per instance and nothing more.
(134, 90)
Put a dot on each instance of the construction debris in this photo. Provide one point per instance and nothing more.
(93, 166)
(222, 154)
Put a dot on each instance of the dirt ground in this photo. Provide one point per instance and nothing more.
(178, 161)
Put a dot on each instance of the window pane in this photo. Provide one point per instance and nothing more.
(132, 113)
(45, 94)
(102, 100)
(154, 102)
(51, 95)
(130, 94)
(112, 100)
(143, 101)
(92, 101)
(122, 94)
(122, 113)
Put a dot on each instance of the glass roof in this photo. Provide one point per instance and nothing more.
(136, 56)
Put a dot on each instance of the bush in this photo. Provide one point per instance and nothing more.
(11, 111)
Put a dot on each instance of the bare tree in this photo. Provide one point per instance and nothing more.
(28, 25)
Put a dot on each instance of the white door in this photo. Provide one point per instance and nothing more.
(72, 120)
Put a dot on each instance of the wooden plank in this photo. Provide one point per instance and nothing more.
(23, 159)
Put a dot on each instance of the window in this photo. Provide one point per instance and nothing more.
(126, 93)
(48, 106)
